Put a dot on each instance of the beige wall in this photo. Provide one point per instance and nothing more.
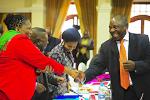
(36, 7)
(38, 13)
(103, 9)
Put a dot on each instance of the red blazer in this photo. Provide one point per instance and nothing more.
(17, 67)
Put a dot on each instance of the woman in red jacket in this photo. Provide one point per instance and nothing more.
(18, 60)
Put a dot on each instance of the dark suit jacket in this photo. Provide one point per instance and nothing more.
(108, 57)
(52, 42)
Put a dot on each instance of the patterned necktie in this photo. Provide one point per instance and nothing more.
(124, 75)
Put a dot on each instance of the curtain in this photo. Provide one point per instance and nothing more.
(2, 17)
(122, 7)
(56, 11)
(88, 17)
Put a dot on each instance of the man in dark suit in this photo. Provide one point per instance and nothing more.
(52, 42)
(40, 38)
(137, 65)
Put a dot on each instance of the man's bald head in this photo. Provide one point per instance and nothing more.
(39, 37)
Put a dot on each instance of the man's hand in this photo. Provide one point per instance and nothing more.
(81, 77)
(40, 88)
(129, 65)
(73, 73)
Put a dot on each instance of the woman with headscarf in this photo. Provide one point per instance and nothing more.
(18, 59)
(62, 53)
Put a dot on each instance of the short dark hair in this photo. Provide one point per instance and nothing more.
(12, 21)
(122, 20)
(71, 35)
(39, 29)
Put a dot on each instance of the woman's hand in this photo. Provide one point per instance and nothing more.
(72, 72)
(60, 79)
(48, 70)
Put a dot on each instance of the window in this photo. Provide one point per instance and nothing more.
(136, 26)
(71, 18)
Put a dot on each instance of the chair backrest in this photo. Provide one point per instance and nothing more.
(142, 18)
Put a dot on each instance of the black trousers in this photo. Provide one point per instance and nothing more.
(130, 94)
(146, 96)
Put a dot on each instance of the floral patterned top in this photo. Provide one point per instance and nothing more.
(61, 55)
